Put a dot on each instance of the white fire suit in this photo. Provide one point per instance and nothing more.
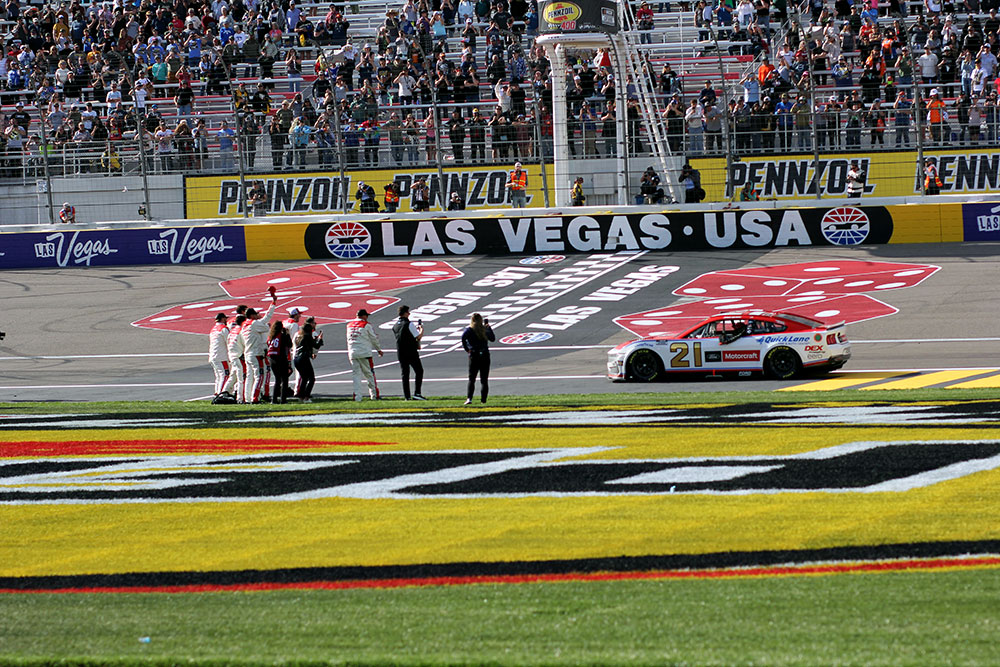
(254, 339)
(362, 343)
(218, 355)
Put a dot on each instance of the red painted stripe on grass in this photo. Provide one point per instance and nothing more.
(725, 573)
(160, 446)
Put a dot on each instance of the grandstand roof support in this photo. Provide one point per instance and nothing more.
(555, 45)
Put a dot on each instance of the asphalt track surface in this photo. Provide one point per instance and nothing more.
(69, 332)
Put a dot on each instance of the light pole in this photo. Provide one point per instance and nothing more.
(239, 131)
(140, 135)
(45, 164)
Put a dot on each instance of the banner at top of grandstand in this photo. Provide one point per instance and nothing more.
(581, 16)
(891, 174)
(312, 193)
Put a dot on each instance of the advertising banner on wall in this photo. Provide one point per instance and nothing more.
(312, 193)
(981, 222)
(82, 248)
(580, 16)
(505, 235)
(888, 174)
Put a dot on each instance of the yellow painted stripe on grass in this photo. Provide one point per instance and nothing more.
(990, 382)
(845, 380)
(80, 539)
(925, 380)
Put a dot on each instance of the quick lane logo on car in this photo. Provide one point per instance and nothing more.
(860, 467)
(784, 339)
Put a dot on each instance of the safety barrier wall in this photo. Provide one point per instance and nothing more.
(311, 193)
(592, 230)
(966, 171)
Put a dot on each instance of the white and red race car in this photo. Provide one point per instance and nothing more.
(779, 345)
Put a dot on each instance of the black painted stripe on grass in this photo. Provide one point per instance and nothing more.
(729, 559)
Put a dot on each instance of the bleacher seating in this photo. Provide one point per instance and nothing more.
(697, 53)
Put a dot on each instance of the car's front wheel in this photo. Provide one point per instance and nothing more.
(644, 366)
(782, 363)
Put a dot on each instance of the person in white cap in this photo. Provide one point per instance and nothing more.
(362, 343)
(517, 183)
(254, 329)
(291, 324)
(218, 354)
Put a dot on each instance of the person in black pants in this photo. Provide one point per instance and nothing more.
(408, 335)
(476, 341)
(306, 345)
(279, 348)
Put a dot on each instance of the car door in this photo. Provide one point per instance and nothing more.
(728, 351)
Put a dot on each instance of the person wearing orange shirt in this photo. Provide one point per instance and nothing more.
(764, 71)
(517, 183)
(936, 115)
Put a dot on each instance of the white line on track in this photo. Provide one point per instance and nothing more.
(505, 348)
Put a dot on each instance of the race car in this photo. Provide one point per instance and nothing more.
(779, 345)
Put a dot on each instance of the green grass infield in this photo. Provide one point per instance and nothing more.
(904, 618)
(889, 618)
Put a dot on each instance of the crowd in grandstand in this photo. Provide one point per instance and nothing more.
(284, 85)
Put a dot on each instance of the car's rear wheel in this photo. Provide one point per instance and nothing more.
(782, 363)
(644, 366)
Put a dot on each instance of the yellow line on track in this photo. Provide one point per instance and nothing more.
(989, 382)
(846, 380)
(926, 380)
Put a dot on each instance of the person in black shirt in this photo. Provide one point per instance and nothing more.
(279, 348)
(408, 335)
(476, 342)
(306, 345)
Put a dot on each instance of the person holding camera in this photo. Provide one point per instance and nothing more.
(649, 187)
(306, 347)
(408, 335)
(366, 195)
(258, 199)
(476, 343)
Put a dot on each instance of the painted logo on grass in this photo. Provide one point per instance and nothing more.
(859, 467)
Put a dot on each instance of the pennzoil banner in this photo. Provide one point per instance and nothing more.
(887, 174)
(312, 193)
(580, 16)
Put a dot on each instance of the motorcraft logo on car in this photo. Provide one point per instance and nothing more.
(845, 225)
(741, 355)
(65, 247)
(504, 235)
(189, 249)
(981, 222)
(857, 467)
(526, 338)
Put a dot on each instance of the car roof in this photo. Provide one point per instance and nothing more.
(800, 320)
